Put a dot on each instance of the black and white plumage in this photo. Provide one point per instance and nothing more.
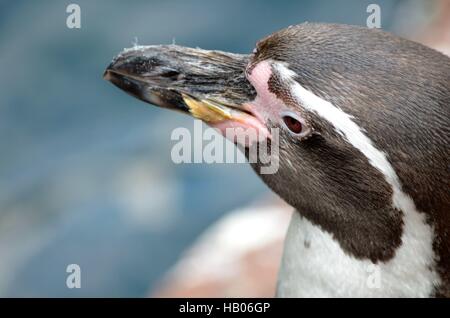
(364, 148)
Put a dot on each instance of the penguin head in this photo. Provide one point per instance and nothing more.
(331, 93)
(311, 88)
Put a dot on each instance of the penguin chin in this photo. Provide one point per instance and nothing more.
(243, 133)
(233, 122)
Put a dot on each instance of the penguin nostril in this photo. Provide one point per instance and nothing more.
(293, 124)
(171, 74)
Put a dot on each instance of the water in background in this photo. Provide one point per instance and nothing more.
(85, 170)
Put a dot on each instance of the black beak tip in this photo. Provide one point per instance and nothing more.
(107, 74)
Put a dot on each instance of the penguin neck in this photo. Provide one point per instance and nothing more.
(315, 265)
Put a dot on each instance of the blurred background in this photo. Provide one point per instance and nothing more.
(85, 171)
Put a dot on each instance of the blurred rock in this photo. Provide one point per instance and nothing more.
(437, 34)
(238, 256)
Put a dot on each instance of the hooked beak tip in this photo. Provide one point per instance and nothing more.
(107, 75)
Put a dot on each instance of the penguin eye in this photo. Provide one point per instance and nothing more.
(295, 125)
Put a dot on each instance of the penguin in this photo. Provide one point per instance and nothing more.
(362, 118)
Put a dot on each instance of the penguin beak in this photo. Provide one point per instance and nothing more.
(209, 85)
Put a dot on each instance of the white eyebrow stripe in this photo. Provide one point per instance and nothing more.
(342, 122)
(416, 251)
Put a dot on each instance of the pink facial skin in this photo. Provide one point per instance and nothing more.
(246, 128)
(266, 105)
